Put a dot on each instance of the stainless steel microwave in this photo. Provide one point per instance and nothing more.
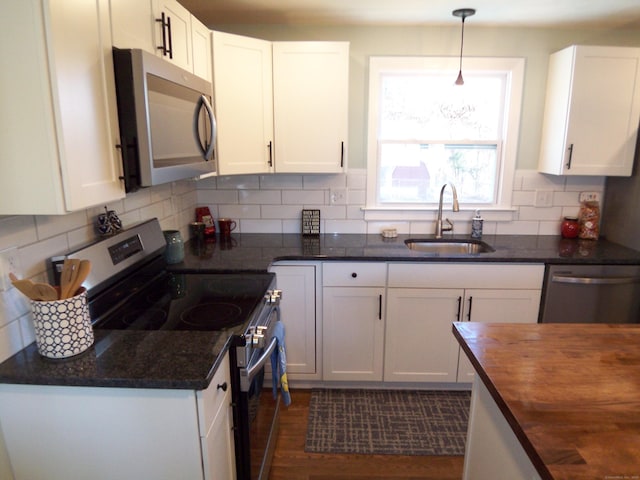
(167, 123)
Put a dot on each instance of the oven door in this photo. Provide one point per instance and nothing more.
(256, 411)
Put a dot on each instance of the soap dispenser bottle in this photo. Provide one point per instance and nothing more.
(476, 225)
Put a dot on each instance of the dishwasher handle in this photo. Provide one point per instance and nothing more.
(595, 280)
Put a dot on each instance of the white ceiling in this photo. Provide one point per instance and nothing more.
(529, 13)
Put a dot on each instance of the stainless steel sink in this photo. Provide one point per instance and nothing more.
(444, 246)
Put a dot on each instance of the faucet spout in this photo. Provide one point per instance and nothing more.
(455, 207)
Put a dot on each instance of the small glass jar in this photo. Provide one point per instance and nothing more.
(174, 253)
(570, 227)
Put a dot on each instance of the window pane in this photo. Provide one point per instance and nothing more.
(415, 172)
(429, 107)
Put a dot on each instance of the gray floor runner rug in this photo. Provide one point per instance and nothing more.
(389, 422)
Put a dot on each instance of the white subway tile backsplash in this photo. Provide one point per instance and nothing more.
(532, 180)
(16, 231)
(581, 183)
(208, 196)
(137, 199)
(280, 211)
(310, 182)
(260, 197)
(238, 211)
(533, 213)
(517, 228)
(301, 197)
(345, 226)
(260, 226)
(239, 182)
(10, 340)
(282, 181)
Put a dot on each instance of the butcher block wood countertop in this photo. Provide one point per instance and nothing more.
(570, 392)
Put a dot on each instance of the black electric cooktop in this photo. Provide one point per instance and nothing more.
(182, 301)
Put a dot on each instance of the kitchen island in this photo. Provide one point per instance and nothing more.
(553, 401)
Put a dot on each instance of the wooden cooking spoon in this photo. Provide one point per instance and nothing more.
(24, 286)
(44, 291)
(84, 268)
(67, 277)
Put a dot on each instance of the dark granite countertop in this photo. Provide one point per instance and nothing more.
(188, 360)
(255, 252)
(126, 359)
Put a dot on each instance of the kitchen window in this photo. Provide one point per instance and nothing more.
(424, 131)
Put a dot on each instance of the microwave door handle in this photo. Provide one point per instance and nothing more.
(203, 102)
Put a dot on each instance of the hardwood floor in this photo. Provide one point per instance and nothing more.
(291, 462)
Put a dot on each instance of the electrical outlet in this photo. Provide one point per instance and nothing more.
(589, 197)
(9, 263)
(338, 196)
(544, 198)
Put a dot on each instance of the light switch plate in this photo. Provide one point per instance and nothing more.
(544, 198)
(9, 263)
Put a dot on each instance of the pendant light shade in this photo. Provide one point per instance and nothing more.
(463, 13)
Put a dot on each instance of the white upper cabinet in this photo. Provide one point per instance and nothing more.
(173, 33)
(592, 111)
(58, 128)
(133, 24)
(282, 107)
(244, 103)
(201, 49)
(164, 28)
(310, 97)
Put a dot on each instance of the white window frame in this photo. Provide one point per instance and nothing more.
(514, 67)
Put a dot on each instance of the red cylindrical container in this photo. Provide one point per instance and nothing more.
(570, 227)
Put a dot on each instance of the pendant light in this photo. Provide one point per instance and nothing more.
(462, 13)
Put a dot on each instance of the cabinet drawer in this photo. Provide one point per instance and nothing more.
(451, 275)
(211, 399)
(341, 274)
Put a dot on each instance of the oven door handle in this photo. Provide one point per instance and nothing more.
(247, 374)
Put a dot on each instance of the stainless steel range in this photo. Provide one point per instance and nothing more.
(130, 288)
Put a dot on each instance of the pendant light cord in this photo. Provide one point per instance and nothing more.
(462, 43)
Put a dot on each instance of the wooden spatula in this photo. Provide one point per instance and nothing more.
(84, 268)
(68, 275)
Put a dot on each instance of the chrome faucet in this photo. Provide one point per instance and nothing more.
(456, 208)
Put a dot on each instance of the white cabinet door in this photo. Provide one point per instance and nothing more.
(218, 449)
(244, 104)
(592, 111)
(419, 345)
(58, 129)
(215, 418)
(174, 34)
(201, 49)
(496, 306)
(310, 90)
(353, 333)
(298, 309)
(133, 24)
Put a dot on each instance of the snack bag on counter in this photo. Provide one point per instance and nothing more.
(589, 218)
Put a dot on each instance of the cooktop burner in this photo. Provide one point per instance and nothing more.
(184, 301)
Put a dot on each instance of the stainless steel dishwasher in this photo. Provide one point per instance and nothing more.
(591, 294)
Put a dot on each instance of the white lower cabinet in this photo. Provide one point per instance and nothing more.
(60, 433)
(216, 426)
(425, 299)
(419, 345)
(298, 312)
(497, 306)
(353, 321)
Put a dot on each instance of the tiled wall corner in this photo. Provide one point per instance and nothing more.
(42, 236)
